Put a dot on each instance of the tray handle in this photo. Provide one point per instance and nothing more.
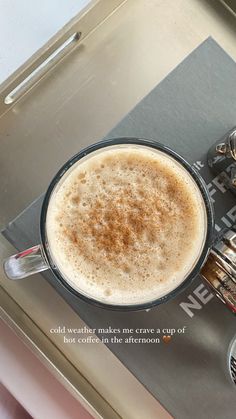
(36, 75)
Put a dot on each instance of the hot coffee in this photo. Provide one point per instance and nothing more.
(125, 225)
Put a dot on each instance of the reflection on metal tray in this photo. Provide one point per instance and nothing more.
(230, 4)
(189, 111)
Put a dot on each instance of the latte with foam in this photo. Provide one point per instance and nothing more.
(126, 224)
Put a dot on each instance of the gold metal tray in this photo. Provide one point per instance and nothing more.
(97, 68)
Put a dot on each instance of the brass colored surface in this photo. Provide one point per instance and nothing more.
(85, 22)
(75, 104)
(230, 4)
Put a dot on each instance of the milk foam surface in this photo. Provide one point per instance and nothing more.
(126, 225)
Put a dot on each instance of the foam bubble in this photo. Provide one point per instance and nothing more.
(135, 229)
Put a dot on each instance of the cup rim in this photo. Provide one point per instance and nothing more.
(208, 206)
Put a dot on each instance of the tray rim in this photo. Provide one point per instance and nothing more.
(85, 22)
(53, 358)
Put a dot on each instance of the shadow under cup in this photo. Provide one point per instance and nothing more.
(94, 150)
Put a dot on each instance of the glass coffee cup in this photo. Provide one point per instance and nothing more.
(123, 224)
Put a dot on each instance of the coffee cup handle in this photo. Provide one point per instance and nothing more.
(219, 270)
(25, 263)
